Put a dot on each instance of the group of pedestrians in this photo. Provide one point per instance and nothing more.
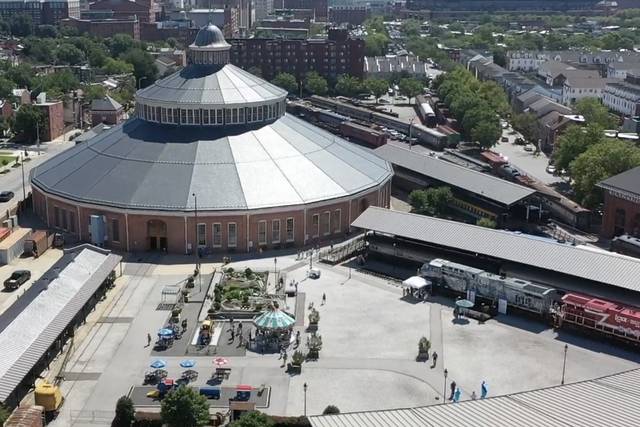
(456, 393)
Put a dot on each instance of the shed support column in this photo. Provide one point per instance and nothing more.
(126, 228)
(248, 234)
(186, 245)
(79, 227)
(46, 208)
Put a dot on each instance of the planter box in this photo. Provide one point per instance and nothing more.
(295, 369)
(422, 357)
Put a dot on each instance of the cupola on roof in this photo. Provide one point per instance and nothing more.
(210, 36)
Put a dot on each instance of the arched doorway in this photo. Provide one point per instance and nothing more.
(157, 235)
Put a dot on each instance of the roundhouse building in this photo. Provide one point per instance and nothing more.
(211, 160)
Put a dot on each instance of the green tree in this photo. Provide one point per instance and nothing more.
(5, 413)
(331, 410)
(410, 87)
(377, 87)
(315, 84)
(486, 222)
(574, 141)
(411, 27)
(185, 407)
(125, 413)
(97, 55)
(348, 85)
(117, 66)
(48, 31)
(487, 133)
(5, 28)
(527, 125)
(21, 25)
(61, 82)
(40, 50)
(456, 27)
(22, 75)
(594, 112)
(376, 44)
(27, 118)
(432, 201)
(599, 162)
(287, 82)
(253, 419)
(144, 66)
(94, 91)
(494, 95)
(69, 54)
(6, 88)
(119, 44)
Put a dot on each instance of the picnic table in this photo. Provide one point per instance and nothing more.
(222, 373)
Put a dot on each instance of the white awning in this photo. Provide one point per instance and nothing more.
(416, 282)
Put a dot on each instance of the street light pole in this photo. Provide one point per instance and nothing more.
(275, 271)
(444, 387)
(305, 398)
(196, 246)
(564, 363)
(24, 192)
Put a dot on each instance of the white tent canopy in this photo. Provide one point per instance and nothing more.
(171, 294)
(416, 282)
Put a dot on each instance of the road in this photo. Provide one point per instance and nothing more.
(12, 181)
(524, 161)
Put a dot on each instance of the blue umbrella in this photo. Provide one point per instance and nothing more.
(188, 363)
(165, 332)
(158, 364)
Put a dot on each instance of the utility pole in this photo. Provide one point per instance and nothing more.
(24, 192)
(564, 363)
(196, 246)
(38, 136)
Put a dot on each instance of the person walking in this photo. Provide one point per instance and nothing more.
(148, 340)
(435, 359)
(284, 363)
(473, 395)
(483, 390)
(453, 389)
(456, 395)
(324, 298)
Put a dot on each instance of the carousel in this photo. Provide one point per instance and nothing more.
(273, 329)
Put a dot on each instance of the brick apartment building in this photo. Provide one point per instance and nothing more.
(320, 7)
(144, 10)
(54, 117)
(105, 27)
(49, 12)
(621, 204)
(336, 55)
(354, 15)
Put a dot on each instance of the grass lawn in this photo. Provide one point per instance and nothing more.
(10, 159)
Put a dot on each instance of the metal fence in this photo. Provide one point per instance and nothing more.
(343, 251)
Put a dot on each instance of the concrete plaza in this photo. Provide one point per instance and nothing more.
(368, 360)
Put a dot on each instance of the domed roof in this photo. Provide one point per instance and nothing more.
(210, 36)
(143, 165)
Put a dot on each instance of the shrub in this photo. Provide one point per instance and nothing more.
(216, 305)
(185, 407)
(248, 273)
(314, 316)
(125, 413)
(424, 345)
(297, 358)
(253, 419)
(331, 410)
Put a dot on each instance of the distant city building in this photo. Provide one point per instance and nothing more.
(352, 14)
(320, 7)
(106, 110)
(621, 204)
(49, 12)
(211, 161)
(105, 27)
(263, 8)
(609, 63)
(623, 97)
(144, 10)
(502, 5)
(385, 66)
(336, 55)
(577, 87)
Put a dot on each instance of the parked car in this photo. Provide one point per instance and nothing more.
(504, 139)
(314, 273)
(383, 101)
(528, 147)
(519, 141)
(5, 196)
(17, 279)
(551, 169)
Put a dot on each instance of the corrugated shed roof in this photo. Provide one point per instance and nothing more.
(62, 292)
(599, 266)
(595, 403)
(142, 165)
(482, 184)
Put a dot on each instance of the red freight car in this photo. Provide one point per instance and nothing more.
(609, 318)
(358, 132)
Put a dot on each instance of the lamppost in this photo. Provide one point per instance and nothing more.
(564, 363)
(24, 192)
(275, 271)
(140, 81)
(304, 387)
(196, 247)
(444, 387)
(395, 256)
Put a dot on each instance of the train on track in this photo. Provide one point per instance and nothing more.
(582, 312)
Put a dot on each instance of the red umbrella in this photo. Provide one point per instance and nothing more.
(220, 361)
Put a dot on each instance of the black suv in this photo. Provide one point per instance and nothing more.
(18, 278)
(5, 196)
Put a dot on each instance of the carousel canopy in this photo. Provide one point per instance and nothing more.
(274, 320)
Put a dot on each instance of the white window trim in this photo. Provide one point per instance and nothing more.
(337, 228)
(235, 243)
(262, 242)
(328, 232)
(203, 234)
(213, 235)
(273, 239)
(316, 230)
(293, 229)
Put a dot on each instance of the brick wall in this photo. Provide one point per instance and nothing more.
(631, 216)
